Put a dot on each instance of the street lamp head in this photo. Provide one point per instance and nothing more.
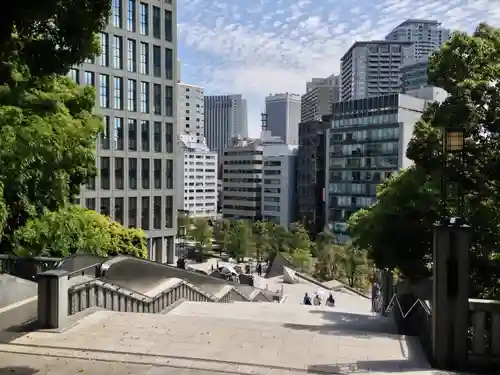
(455, 141)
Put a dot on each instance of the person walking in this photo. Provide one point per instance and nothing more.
(259, 269)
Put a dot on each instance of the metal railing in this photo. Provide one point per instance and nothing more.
(26, 267)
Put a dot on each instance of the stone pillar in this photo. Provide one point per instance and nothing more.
(450, 305)
(53, 298)
(169, 242)
(158, 246)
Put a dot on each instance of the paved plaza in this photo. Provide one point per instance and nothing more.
(209, 338)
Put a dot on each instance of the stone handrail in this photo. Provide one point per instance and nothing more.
(485, 323)
(96, 293)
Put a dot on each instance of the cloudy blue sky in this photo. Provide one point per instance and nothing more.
(257, 47)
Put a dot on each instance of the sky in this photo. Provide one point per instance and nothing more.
(259, 47)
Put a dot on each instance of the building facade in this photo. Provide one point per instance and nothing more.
(191, 112)
(197, 177)
(135, 78)
(366, 143)
(414, 75)
(242, 164)
(311, 164)
(283, 116)
(372, 68)
(225, 118)
(318, 99)
(279, 202)
(426, 35)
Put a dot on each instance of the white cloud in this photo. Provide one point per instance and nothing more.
(274, 46)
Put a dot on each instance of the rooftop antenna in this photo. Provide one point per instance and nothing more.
(263, 120)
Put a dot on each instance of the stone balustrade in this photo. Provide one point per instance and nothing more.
(485, 328)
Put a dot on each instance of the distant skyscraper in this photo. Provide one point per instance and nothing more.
(225, 117)
(317, 101)
(372, 68)
(283, 116)
(191, 113)
(427, 35)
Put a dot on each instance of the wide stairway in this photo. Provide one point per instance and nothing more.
(237, 338)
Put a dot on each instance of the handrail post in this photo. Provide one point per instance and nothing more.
(53, 298)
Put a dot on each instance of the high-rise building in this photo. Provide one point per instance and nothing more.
(366, 143)
(197, 177)
(191, 112)
(319, 96)
(426, 35)
(135, 78)
(372, 68)
(283, 116)
(225, 118)
(414, 74)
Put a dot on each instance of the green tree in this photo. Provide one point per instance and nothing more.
(239, 240)
(299, 238)
(47, 146)
(326, 252)
(261, 238)
(467, 67)
(354, 265)
(222, 233)
(201, 232)
(183, 220)
(301, 259)
(48, 37)
(72, 230)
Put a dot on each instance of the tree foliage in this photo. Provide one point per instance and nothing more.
(201, 233)
(467, 67)
(260, 234)
(239, 240)
(222, 233)
(72, 230)
(48, 37)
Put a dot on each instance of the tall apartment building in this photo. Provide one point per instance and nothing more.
(311, 173)
(366, 143)
(372, 68)
(197, 177)
(319, 96)
(414, 74)
(191, 112)
(279, 203)
(283, 116)
(426, 35)
(225, 118)
(136, 85)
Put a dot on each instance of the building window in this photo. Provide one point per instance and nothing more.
(169, 101)
(90, 185)
(119, 207)
(90, 203)
(89, 78)
(169, 174)
(169, 32)
(156, 61)
(157, 99)
(169, 63)
(145, 97)
(117, 52)
(156, 22)
(117, 13)
(132, 95)
(145, 174)
(118, 134)
(157, 173)
(73, 74)
(105, 135)
(157, 213)
(119, 174)
(169, 137)
(105, 206)
(169, 211)
(104, 90)
(144, 58)
(131, 55)
(105, 173)
(143, 19)
(132, 212)
(145, 135)
(132, 134)
(132, 173)
(118, 92)
(131, 16)
(104, 58)
(157, 136)
(145, 213)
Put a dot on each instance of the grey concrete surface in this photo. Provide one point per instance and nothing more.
(280, 339)
(14, 289)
